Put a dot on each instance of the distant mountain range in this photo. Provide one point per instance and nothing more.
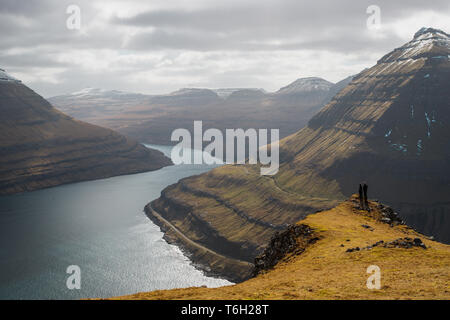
(152, 118)
(389, 127)
(42, 147)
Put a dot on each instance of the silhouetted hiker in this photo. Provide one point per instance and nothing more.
(366, 200)
(361, 200)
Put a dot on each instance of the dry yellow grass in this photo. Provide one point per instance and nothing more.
(326, 271)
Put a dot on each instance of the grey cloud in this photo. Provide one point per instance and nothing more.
(345, 41)
(26, 7)
(277, 14)
(286, 16)
(37, 29)
(288, 25)
(264, 25)
(30, 24)
(30, 60)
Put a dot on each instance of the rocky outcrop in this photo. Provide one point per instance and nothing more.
(293, 240)
(405, 243)
(379, 211)
(389, 216)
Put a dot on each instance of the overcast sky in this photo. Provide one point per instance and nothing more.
(158, 46)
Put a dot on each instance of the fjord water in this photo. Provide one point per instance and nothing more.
(100, 227)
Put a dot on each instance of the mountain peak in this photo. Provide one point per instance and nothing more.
(427, 43)
(193, 92)
(4, 76)
(427, 32)
(308, 84)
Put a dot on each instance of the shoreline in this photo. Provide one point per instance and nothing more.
(201, 258)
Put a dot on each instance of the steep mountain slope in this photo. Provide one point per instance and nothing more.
(152, 119)
(338, 87)
(42, 147)
(388, 127)
(326, 256)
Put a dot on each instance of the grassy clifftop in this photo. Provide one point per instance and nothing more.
(327, 269)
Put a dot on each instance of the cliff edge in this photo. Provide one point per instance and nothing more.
(329, 257)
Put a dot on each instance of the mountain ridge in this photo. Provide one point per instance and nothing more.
(152, 118)
(226, 90)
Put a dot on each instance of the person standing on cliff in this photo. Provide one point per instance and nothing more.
(361, 200)
(366, 200)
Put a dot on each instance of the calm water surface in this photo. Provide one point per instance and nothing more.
(99, 226)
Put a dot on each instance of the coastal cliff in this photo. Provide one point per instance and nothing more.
(236, 236)
(327, 255)
(211, 260)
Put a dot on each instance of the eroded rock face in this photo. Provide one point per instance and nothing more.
(389, 215)
(294, 239)
(42, 147)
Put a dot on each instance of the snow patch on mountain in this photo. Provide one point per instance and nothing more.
(304, 85)
(6, 77)
(221, 92)
(94, 92)
(425, 40)
(427, 32)
(226, 92)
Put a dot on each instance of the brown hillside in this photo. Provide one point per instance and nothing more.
(42, 147)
